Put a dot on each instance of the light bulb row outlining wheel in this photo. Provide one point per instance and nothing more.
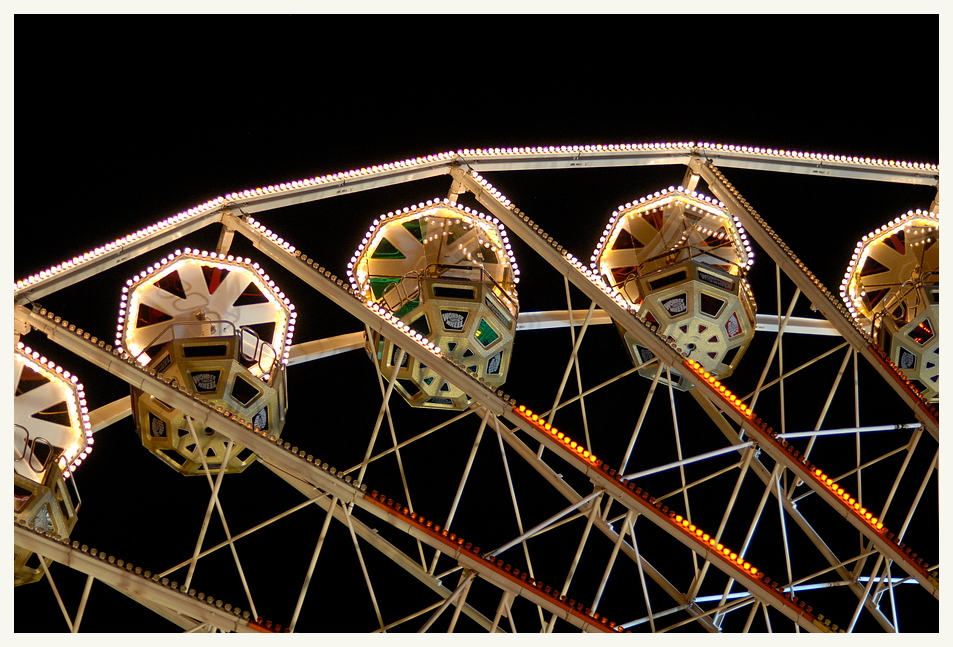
(508, 480)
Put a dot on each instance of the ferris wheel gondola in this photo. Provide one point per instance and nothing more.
(893, 280)
(681, 260)
(449, 273)
(219, 326)
(51, 437)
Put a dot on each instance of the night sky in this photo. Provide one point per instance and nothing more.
(104, 148)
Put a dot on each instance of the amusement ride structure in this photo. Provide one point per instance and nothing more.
(741, 450)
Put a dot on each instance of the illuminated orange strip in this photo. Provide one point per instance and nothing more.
(808, 469)
(579, 451)
(705, 541)
(523, 579)
(718, 388)
(267, 627)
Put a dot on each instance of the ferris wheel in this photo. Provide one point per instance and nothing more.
(687, 433)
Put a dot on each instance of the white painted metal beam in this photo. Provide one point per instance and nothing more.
(327, 347)
(625, 155)
(136, 586)
(120, 253)
(337, 187)
(110, 413)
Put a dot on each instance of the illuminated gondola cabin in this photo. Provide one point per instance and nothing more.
(893, 281)
(51, 437)
(219, 327)
(447, 271)
(680, 260)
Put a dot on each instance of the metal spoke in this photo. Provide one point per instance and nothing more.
(56, 592)
(575, 358)
(544, 524)
(463, 482)
(777, 344)
(314, 560)
(629, 525)
(500, 609)
(638, 425)
(410, 617)
(380, 415)
(221, 513)
(208, 515)
(593, 513)
(687, 461)
(409, 441)
(360, 558)
(82, 604)
(458, 592)
(798, 369)
(576, 342)
(516, 508)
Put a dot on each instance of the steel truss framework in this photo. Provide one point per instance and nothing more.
(743, 530)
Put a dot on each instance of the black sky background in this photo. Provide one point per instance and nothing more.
(135, 119)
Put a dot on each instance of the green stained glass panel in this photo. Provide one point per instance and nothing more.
(413, 226)
(385, 249)
(380, 283)
(485, 334)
